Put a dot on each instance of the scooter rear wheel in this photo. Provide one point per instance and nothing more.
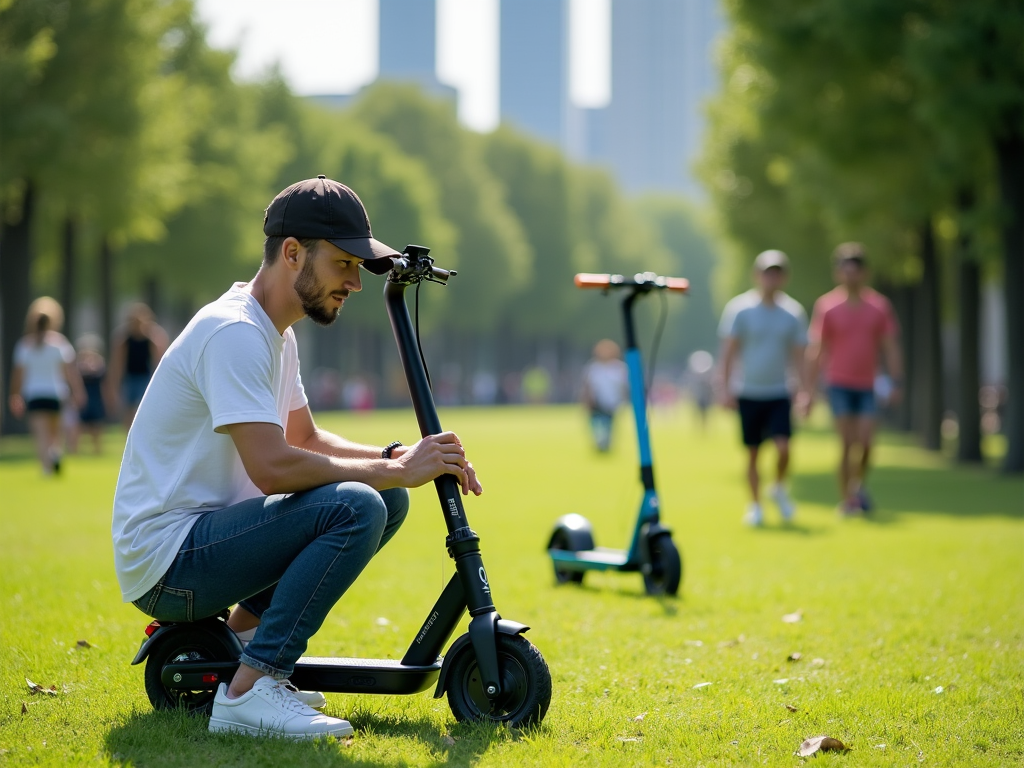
(665, 569)
(525, 683)
(184, 643)
(560, 540)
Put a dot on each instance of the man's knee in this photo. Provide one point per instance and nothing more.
(396, 503)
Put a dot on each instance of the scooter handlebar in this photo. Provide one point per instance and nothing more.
(643, 279)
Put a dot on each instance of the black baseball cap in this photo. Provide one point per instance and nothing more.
(324, 209)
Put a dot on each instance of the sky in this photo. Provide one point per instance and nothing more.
(295, 34)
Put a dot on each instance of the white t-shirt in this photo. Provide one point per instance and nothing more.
(608, 381)
(43, 366)
(229, 366)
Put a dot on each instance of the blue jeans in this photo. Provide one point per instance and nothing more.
(852, 402)
(286, 558)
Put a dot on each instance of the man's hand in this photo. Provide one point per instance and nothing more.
(727, 399)
(17, 405)
(437, 455)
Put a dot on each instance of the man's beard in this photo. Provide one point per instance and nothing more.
(314, 296)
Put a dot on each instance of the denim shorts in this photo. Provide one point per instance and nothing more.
(852, 402)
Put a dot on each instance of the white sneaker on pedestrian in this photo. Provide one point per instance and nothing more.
(754, 516)
(782, 500)
(313, 699)
(270, 709)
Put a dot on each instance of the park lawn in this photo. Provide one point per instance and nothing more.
(911, 634)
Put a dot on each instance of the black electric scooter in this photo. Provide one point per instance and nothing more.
(491, 673)
(652, 551)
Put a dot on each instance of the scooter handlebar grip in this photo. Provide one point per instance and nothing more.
(680, 284)
(592, 280)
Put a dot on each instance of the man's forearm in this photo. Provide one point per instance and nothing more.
(329, 444)
(299, 469)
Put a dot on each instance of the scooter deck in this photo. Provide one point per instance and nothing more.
(344, 675)
(314, 673)
(599, 559)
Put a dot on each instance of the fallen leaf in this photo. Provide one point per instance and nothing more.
(24, 708)
(448, 740)
(83, 644)
(793, 618)
(879, 746)
(781, 681)
(791, 708)
(640, 718)
(382, 621)
(348, 741)
(702, 685)
(37, 688)
(940, 689)
(821, 744)
(734, 742)
(795, 656)
(627, 741)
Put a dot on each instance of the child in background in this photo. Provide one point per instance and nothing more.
(93, 369)
(605, 388)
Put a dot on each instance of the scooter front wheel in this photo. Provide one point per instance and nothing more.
(665, 569)
(525, 684)
(184, 643)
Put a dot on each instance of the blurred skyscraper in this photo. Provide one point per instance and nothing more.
(662, 71)
(534, 67)
(408, 44)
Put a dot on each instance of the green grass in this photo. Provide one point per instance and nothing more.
(926, 595)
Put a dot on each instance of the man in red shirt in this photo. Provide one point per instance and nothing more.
(851, 324)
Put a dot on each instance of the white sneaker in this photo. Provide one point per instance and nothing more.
(313, 699)
(754, 516)
(785, 504)
(270, 709)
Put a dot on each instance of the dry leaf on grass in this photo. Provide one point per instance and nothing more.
(791, 708)
(817, 744)
(702, 685)
(628, 741)
(37, 688)
(795, 656)
(347, 741)
(83, 644)
(24, 708)
(793, 618)
(640, 718)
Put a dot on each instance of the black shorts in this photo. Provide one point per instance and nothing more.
(43, 404)
(764, 419)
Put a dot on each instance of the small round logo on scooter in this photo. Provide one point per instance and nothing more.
(483, 578)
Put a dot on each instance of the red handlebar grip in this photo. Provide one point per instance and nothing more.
(592, 280)
(680, 284)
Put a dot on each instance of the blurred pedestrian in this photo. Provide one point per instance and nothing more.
(93, 369)
(605, 388)
(765, 330)
(850, 326)
(134, 355)
(43, 377)
(699, 382)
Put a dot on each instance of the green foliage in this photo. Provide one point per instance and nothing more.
(919, 599)
(491, 246)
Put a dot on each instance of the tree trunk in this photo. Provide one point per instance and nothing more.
(928, 343)
(106, 271)
(68, 276)
(968, 407)
(15, 295)
(1010, 157)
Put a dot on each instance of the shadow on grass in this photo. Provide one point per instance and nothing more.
(171, 739)
(942, 490)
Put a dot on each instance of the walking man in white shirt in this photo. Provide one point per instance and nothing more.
(766, 332)
(229, 494)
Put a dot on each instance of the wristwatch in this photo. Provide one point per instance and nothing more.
(386, 453)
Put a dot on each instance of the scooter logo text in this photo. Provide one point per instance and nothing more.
(453, 508)
(483, 578)
(427, 626)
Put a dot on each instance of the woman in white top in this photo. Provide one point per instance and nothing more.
(43, 377)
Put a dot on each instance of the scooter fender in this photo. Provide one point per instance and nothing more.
(501, 626)
(577, 531)
(215, 625)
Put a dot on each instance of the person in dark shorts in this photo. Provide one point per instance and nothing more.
(765, 331)
(93, 369)
(43, 377)
(851, 327)
(134, 356)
